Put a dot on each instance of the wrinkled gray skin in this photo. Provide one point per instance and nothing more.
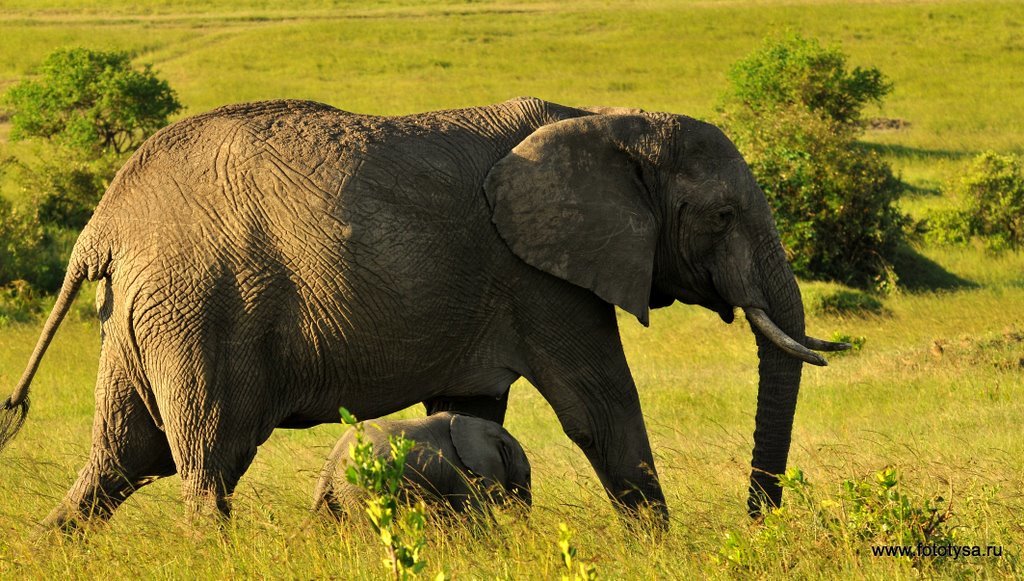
(265, 263)
(461, 461)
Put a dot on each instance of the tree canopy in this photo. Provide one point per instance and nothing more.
(798, 71)
(91, 100)
(794, 110)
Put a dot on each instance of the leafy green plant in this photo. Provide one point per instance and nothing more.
(30, 251)
(65, 188)
(402, 535)
(794, 111)
(992, 205)
(574, 569)
(856, 343)
(86, 110)
(19, 235)
(19, 303)
(865, 512)
(842, 302)
(878, 510)
(91, 100)
(797, 72)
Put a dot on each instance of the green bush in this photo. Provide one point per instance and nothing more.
(86, 110)
(19, 303)
(992, 205)
(863, 513)
(794, 111)
(402, 534)
(91, 100)
(841, 302)
(19, 237)
(948, 226)
(66, 187)
(798, 73)
(30, 251)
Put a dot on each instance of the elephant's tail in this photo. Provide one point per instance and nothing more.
(14, 410)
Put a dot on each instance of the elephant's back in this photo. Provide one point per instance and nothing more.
(298, 174)
(230, 160)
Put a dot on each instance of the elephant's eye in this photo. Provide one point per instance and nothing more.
(722, 217)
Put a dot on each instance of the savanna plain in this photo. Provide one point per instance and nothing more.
(935, 392)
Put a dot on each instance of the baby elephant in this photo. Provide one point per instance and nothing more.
(461, 461)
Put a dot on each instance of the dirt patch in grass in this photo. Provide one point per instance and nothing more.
(887, 124)
(1004, 351)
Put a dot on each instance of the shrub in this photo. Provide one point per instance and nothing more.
(88, 109)
(798, 73)
(66, 188)
(865, 513)
(840, 301)
(19, 235)
(794, 111)
(19, 303)
(91, 100)
(30, 251)
(948, 226)
(992, 205)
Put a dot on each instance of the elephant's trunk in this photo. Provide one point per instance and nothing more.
(523, 494)
(521, 483)
(779, 371)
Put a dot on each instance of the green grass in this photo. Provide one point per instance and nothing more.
(934, 391)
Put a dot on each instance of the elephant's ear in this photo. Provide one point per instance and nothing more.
(572, 201)
(476, 442)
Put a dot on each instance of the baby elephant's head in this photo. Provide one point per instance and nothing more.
(491, 453)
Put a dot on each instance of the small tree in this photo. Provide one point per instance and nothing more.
(991, 194)
(89, 109)
(794, 111)
(798, 72)
(19, 238)
(91, 100)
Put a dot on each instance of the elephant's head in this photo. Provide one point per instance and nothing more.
(490, 452)
(645, 209)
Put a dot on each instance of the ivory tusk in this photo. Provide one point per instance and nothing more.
(821, 345)
(781, 340)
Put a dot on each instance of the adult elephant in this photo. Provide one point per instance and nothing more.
(265, 263)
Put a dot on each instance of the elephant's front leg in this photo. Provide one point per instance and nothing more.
(584, 376)
(612, 434)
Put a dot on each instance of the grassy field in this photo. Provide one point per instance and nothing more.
(937, 391)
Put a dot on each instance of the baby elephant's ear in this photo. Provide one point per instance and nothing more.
(477, 444)
(573, 200)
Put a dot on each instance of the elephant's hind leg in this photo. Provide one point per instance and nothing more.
(214, 425)
(128, 451)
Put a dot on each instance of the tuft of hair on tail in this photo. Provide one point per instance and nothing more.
(12, 417)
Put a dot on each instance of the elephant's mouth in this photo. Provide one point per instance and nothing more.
(725, 311)
(711, 301)
(717, 303)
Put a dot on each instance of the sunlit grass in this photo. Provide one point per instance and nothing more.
(933, 392)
